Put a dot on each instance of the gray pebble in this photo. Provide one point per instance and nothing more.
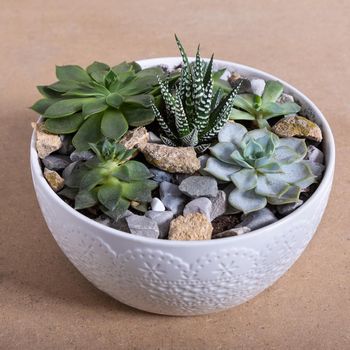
(56, 161)
(67, 147)
(157, 204)
(163, 219)
(199, 186)
(172, 198)
(68, 169)
(160, 175)
(285, 98)
(83, 155)
(153, 138)
(286, 209)
(142, 226)
(314, 154)
(258, 219)
(199, 205)
(219, 205)
(232, 232)
(121, 225)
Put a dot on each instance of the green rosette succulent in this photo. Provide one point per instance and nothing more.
(110, 179)
(98, 102)
(263, 167)
(195, 107)
(262, 108)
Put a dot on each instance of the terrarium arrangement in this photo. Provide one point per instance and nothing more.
(190, 152)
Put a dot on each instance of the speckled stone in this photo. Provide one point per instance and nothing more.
(54, 179)
(192, 227)
(45, 143)
(136, 138)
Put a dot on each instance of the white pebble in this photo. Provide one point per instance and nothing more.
(157, 205)
(257, 86)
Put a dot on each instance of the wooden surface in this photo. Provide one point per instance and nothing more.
(44, 302)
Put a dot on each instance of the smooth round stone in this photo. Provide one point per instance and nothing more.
(157, 205)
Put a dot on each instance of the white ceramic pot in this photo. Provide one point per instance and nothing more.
(186, 278)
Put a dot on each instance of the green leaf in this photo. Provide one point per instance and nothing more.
(42, 105)
(118, 211)
(273, 90)
(72, 72)
(138, 86)
(64, 108)
(92, 107)
(240, 115)
(113, 124)
(246, 102)
(93, 178)
(85, 199)
(137, 116)
(122, 67)
(86, 90)
(143, 100)
(272, 109)
(109, 195)
(68, 192)
(74, 179)
(114, 100)
(65, 125)
(132, 171)
(89, 132)
(64, 85)
(246, 201)
(139, 190)
(98, 71)
(47, 92)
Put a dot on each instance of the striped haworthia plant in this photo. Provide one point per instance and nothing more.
(195, 112)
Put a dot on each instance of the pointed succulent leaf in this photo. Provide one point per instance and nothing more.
(245, 102)
(273, 90)
(95, 106)
(66, 107)
(133, 112)
(113, 124)
(109, 194)
(274, 109)
(269, 186)
(290, 196)
(93, 178)
(191, 139)
(114, 100)
(233, 133)
(98, 71)
(120, 208)
(64, 85)
(85, 199)
(237, 114)
(74, 179)
(132, 171)
(267, 165)
(65, 125)
(89, 132)
(42, 105)
(72, 72)
(244, 179)
(223, 151)
(139, 190)
(246, 201)
(219, 169)
(295, 144)
(168, 141)
(181, 121)
(164, 126)
(237, 159)
(140, 100)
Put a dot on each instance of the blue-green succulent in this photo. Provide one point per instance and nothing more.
(263, 167)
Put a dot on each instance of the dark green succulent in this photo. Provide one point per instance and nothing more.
(261, 108)
(110, 179)
(98, 102)
(195, 112)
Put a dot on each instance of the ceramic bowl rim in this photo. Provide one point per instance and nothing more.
(324, 184)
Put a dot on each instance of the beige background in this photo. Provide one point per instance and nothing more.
(44, 302)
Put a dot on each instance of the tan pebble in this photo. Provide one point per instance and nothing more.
(172, 159)
(192, 227)
(46, 143)
(298, 126)
(136, 138)
(54, 179)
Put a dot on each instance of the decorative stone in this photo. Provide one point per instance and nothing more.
(232, 232)
(67, 146)
(199, 186)
(68, 170)
(46, 143)
(160, 175)
(163, 219)
(56, 161)
(192, 227)
(142, 207)
(258, 219)
(287, 209)
(136, 138)
(157, 204)
(314, 154)
(83, 155)
(219, 205)
(172, 159)
(233, 78)
(298, 126)
(172, 198)
(153, 138)
(199, 205)
(142, 226)
(54, 179)
(285, 98)
(257, 86)
(121, 225)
